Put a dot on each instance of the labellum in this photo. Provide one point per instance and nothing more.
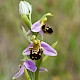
(35, 54)
(46, 29)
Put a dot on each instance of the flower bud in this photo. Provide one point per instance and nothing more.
(25, 8)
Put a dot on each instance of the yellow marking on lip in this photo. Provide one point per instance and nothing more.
(40, 54)
(32, 57)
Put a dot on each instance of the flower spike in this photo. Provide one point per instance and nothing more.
(33, 54)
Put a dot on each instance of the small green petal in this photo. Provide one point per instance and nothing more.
(48, 14)
(44, 18)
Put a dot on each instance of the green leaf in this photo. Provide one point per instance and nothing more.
(24, 31)
(54, 44)
(25, 34)
(45, 58)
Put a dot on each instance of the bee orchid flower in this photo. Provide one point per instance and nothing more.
(47, 49)
(40, 25)
(29, 65)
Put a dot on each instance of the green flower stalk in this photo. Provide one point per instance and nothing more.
(33, 55)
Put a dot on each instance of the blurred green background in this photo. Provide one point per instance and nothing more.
(66, 26)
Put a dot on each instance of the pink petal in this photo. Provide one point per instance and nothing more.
(48, 53)
(36, 27)
(30, 65)
(28, 32)
(26, 51)
(42, 69)
(19, 73)
(48, 50)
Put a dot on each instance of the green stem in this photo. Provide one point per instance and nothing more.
(33, 76)
(38, 63)
(36, 75)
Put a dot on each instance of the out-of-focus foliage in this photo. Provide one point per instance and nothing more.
(66, 26)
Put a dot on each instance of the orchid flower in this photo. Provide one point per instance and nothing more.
(29, 65)
(47, 49)
(37, 26)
